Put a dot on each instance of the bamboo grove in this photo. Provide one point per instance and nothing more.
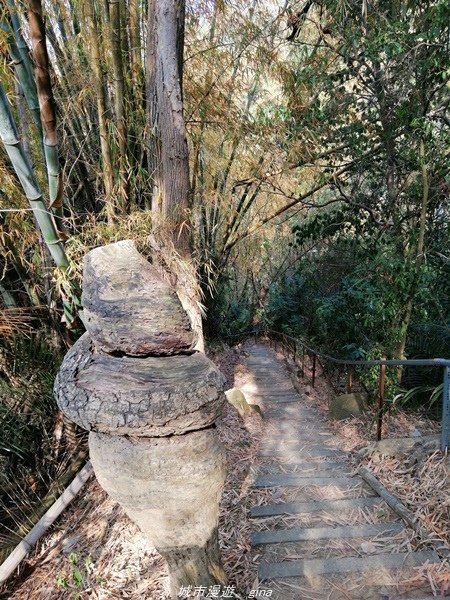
(315, 194)
(74, 85)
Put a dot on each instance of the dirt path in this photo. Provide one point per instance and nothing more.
(319, 532)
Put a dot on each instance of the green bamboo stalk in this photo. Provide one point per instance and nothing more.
(22, 68)
(135, 42)
(20, 40)
(22, 167)
(99, 88)
(119, 93)
(75, 23)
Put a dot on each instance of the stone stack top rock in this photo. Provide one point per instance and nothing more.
(134, 371)
(129, 308)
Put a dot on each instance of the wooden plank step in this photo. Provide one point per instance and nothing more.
(294, 480)
(350, 564)
(304, 452)
(313, 506)
(302, 534)
(306, 469)
(313, 473)
(297, 437)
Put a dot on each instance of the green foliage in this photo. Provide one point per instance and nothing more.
(19, 438)
(76, 578)
(427, 397)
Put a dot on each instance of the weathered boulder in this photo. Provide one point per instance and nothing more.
(170, 487)
(128, 307)
(347, 405)
(147, 396)
(237, 399)
(402, 447)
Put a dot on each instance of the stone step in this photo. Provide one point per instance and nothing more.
(260, 389)
(351, 564)
(274, 400)
(288, 430)
(293, 436)
(300, 442)
(288, 415)
(302, 534)
(313, 506)
(293, 480)
(294, 418)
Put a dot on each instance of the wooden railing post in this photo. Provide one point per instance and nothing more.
(349, 379)
(381, 381)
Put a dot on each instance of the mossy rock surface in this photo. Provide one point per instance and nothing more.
(347, 405)
(236, 398)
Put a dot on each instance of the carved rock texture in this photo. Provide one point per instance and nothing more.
(128, 307)
(151, 396)
(170, 487)
(150, 402)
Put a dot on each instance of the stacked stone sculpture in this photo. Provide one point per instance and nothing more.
(150, 403)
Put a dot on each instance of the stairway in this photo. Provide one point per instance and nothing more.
(319, 531)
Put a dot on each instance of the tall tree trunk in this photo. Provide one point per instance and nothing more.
(169, 160)
(165, 52)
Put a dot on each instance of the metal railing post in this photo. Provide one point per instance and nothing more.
(446, 411)
(314, 369)
(381, 380)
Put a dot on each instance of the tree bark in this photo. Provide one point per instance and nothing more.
(168, 151)
(165, 103)
(195, 566)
